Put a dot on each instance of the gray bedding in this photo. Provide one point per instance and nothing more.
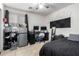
(61, 47)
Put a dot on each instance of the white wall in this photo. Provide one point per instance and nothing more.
(70, 11)
(35, 19)
(18, 16)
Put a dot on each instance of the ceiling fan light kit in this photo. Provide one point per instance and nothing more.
(39, 6)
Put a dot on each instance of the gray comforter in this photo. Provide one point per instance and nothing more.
(61, 47)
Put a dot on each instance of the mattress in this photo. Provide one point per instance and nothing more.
(61, 47)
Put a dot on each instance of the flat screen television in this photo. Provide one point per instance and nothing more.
(61, 23)
(43, 28)
(36, 28)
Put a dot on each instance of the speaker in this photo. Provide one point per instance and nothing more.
(6, 16)
(27, 25)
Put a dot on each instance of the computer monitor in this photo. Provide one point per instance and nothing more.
(36, 28)
(43, 28)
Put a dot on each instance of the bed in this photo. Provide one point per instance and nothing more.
(60, 47)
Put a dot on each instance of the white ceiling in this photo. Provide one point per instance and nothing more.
(52, 7)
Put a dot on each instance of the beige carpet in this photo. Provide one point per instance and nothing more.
(30, 50)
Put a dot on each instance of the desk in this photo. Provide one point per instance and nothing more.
(32, 38)
(46, 37)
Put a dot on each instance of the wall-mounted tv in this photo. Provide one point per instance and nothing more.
(61, 23)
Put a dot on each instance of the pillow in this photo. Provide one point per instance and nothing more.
(74, 37)
(58, 37)
(61, 36)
